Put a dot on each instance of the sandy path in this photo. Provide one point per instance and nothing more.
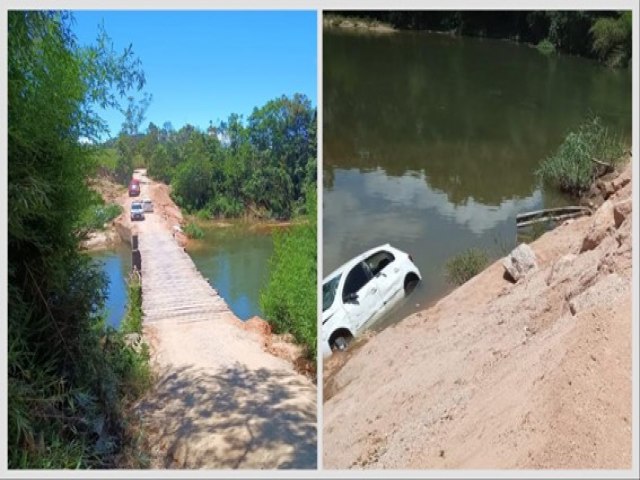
(220, 401)
(497, 375)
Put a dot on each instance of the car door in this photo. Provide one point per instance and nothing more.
(385, 270)
(360, 296)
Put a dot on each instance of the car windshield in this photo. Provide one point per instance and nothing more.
(136, 206)
(329, 292)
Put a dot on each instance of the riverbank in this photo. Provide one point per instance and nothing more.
(118, 230)
(535, 374)
(362, 24)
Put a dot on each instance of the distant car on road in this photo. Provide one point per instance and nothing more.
(137, 211)
(361, 291)
(134, 188)
(147, 204)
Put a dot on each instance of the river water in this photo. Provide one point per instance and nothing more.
(235, 259)
(116, 265)
(431, 142)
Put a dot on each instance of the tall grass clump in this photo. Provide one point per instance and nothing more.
(289, 300)
(574, 166)
(466, 265)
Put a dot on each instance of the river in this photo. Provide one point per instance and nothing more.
(235, 259)
(116, 265)
(431, 141)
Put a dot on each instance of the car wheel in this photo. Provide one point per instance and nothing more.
(410, 283)
(340, 343)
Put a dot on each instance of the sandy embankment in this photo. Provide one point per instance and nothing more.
(535, 374)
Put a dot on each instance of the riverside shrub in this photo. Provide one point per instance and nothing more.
(289, 300)
(466, 265)
(571, 168)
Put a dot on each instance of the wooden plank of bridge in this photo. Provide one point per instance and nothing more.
(172, 287)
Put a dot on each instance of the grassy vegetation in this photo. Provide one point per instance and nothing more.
(290, 297)
(546, 47)
(192, 230)
(572, 167)
(96, 213)
(466, 265)
(132, 364)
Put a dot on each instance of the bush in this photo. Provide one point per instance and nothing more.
(612, 39)
(289, 300)
(466, 265)
(193, 231)
(571, 168)
(546, 47)
(223, 206)
(203, 214)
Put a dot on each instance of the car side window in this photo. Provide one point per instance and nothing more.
(357, 278)
(378, 261)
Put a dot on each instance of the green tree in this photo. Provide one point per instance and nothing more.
(54, 358)
(612, 39)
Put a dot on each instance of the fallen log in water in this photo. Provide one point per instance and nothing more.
(550, 214)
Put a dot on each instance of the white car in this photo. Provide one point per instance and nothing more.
(137, 211)
(147, 204)
(361, 291)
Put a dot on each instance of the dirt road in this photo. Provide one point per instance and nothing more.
(220, 400)
(499, 375)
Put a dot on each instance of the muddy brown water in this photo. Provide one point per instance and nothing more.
(431, 143)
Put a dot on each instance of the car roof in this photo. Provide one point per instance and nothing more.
(347, 265)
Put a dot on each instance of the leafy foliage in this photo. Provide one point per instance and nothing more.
(290, 298)
(97, 213)
(193, 230)
(466, 265)
(571, 168)
(612, 39)
(64, 393)
(262, 168)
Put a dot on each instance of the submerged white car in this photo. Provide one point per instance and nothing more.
(361, 291)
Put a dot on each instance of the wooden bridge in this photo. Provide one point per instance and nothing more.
(220, 400)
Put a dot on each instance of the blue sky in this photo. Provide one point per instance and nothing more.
(205, 65)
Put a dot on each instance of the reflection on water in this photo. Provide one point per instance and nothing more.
(235, 260)
(116, 265)
(431, 142)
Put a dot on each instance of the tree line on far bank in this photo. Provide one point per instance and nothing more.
(603, 35)
(262, 168)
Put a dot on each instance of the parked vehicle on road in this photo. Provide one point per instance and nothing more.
(147, 204)
(361, 291)
(134, 188)
(137, 211)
